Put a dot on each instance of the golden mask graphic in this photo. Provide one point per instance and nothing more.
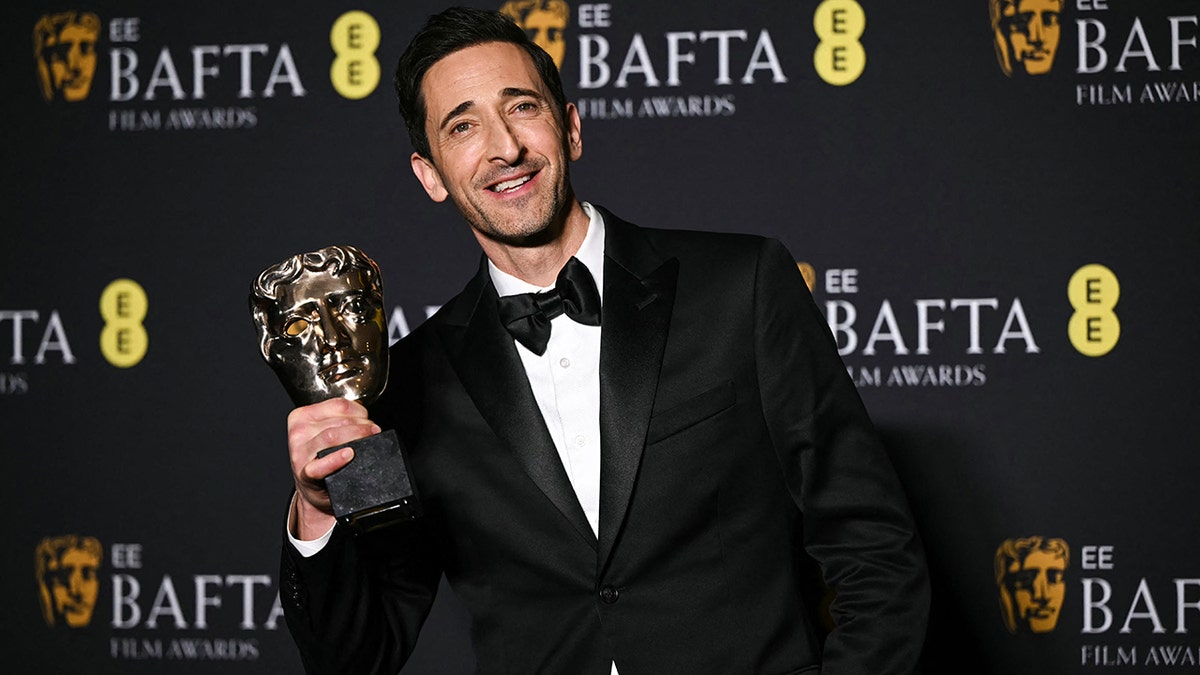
(67, 578)
(1027, 33)
(64, 45)
(1031, 575)
(545, 21)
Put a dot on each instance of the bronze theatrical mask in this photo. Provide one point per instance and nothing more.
(321, 328)
(321, 325)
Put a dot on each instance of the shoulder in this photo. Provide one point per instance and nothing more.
(715, 251)
(674, 241)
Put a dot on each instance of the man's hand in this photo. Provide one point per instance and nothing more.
(313, 428)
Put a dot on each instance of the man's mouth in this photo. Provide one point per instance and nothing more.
(510, 185)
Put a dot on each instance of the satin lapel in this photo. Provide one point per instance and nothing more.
(486, 360)
(639, 292)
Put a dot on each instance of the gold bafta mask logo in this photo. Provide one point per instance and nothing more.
(64, 45)
(67, 578)
(545, 21)
(1031, 576)
(1027, 34)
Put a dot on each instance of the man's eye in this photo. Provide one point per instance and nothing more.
(295, 327)
(460, 128)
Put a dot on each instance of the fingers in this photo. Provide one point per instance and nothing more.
(323, 425)
(315, 427)
(319, 468)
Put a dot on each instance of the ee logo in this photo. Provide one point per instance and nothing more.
(124, 340)
(839, 57)
(354, 38)
(1094, 328)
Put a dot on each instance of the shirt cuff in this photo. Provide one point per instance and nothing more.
(309, 548)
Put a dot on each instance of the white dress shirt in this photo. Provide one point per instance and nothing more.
(566, 378)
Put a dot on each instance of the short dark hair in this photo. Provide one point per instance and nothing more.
(447, 32)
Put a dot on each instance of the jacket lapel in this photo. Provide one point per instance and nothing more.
(639, 293)
(490, 370)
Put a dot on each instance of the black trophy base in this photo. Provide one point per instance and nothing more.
(374, 490)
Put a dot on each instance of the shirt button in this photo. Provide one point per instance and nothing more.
(564, 362)
(608, 595)
(580, 441)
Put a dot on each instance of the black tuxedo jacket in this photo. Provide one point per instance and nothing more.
(735, 451)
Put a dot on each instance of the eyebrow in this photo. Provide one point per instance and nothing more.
(458, 110)
(507, 92)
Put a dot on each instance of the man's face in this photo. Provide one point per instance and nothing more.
(1038, 587)
(329, 338)
(74, 585)
(499, 150)
(546, 30)
(1032, 30)
(70, 57)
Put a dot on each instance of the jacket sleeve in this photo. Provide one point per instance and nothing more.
(857, 523)
(357, 605)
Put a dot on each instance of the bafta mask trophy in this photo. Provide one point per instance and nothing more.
(321, 327)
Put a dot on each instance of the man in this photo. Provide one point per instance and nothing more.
(1030, 574)
(637, 491)
(1026, 34)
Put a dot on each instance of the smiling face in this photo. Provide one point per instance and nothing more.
(499, 150)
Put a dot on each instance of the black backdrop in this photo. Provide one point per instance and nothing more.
(943, 203)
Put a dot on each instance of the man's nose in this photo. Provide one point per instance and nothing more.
(504, 145)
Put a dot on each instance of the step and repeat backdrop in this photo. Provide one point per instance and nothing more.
(996, 202)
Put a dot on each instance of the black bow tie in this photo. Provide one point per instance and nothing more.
(527, 315)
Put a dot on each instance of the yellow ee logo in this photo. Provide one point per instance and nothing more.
(354, 38)
(124, 340)
(1093, 291)
(839, 57)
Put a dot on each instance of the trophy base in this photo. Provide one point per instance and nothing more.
(374, 490)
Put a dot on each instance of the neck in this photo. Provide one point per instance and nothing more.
(539, 263)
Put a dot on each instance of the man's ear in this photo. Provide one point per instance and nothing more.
(430, 179)
(574, 135)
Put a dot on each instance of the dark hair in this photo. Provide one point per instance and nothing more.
(447, 32)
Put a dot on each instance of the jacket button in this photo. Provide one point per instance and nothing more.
(608, 595)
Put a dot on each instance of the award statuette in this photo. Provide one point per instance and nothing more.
(321, 327)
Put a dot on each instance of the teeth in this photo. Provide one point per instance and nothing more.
(510, 184)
